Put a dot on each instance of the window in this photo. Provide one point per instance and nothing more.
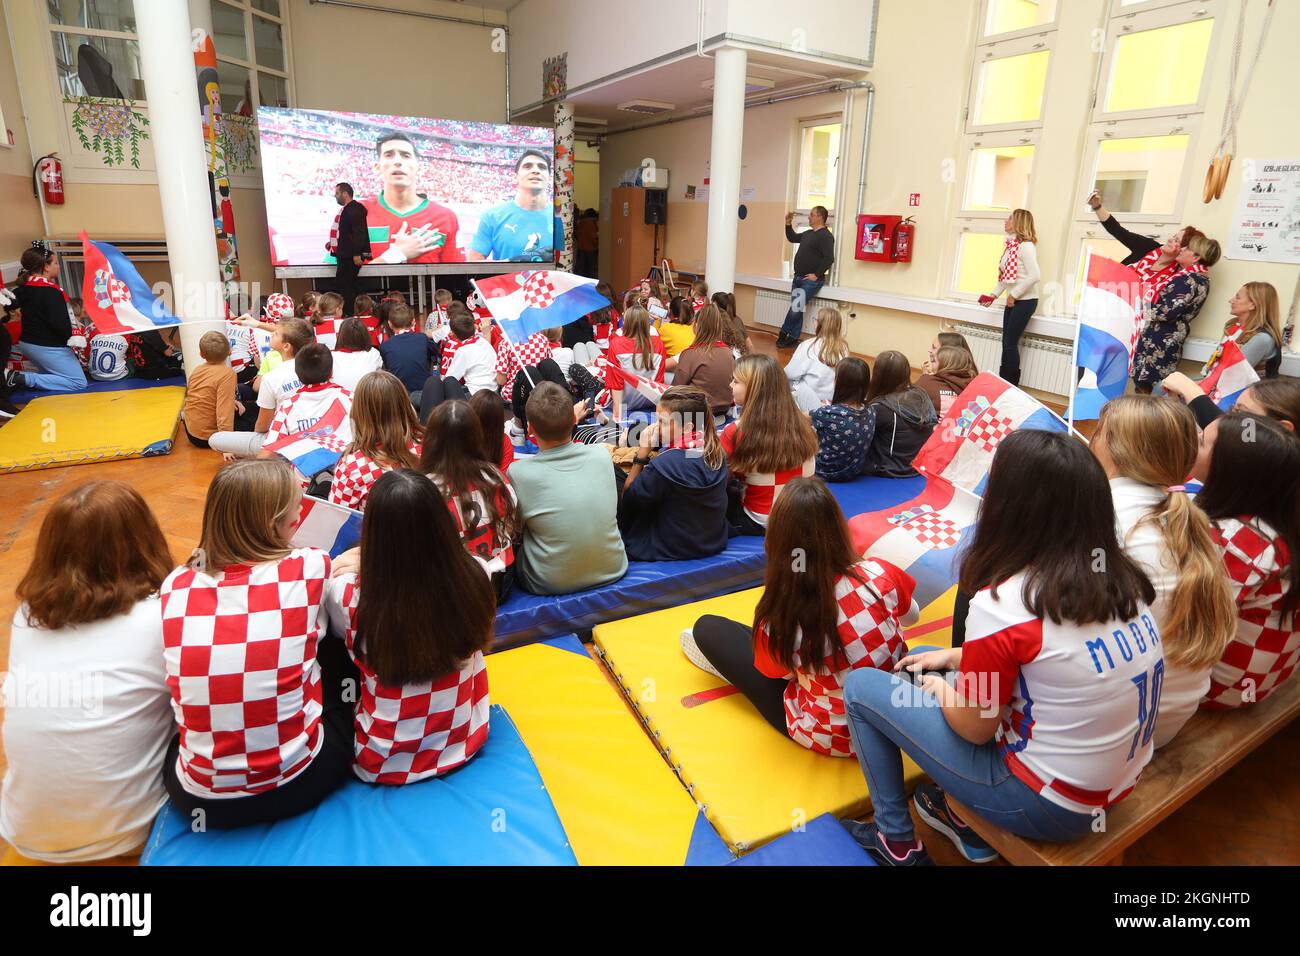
(1007, 89)
(1155, 61)
(978, 255)
(997, 179)
(1141, 175)
(252, 57)
(1017, 16)
(819, 157)
(95, 50)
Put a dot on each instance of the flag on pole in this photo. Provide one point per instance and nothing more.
(526, 302)
(618, 377)
(329, 527)
(1110, 313)
(960, 449)
(1231, 376)
(923, 537)
(116, 298)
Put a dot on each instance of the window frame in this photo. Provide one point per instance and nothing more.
(77, 31)
(811, 122)
(1185, 125)
(983, 38)
(1081, 232)
(1144, 20)
(993, 140)
(1003, 48)
(959, 228)
(249, 12)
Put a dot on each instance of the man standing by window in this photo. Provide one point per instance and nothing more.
(351, 244)
(811, 263)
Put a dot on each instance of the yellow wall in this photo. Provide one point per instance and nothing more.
(917, 146)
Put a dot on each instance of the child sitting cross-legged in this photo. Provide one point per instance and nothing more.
(823, 614)
(290, 337)
(210, 403)
(385, 435)
(416, 611)
(316, 402)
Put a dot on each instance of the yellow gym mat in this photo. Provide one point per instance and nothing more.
(618, 800)
(754, 783)
(91, 426)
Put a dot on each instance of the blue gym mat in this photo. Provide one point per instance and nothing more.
(823, 842)
(21, 396)
(492, 811)
(655, 585)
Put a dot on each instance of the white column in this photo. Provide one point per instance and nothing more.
(724, 167)
(167, 67)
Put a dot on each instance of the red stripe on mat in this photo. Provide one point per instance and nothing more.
(936, 625)
(704, 696)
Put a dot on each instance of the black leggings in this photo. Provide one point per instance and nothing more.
(729, 646)
(960, 608)
(547, 370)
(438, 390)
(1015, 318)
(330, 768)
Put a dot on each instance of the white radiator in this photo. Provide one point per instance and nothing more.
(770, 309)
(1044, 362)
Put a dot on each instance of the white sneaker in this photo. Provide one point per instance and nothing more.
(694, 655)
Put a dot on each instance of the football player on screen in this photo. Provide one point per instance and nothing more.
(525, 228)
(406, 226)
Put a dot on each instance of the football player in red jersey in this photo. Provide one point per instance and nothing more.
(406, 226)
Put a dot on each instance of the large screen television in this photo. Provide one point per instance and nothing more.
(434, 190)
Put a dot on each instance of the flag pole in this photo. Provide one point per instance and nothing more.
(506, 335)
(1074, 351)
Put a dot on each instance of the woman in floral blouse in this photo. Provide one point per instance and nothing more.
(1173, 302)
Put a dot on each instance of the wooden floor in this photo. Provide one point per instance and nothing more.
(1249, 817)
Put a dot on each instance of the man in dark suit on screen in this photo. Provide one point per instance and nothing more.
(351, 247)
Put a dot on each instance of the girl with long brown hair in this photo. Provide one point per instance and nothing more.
(258, 690)
(905, 417)
(825, 611)
(635, 348)
(85, 758)
(772, 442)
(674, 506)
(1147, 447)
(478, 495)
(708, 361)
(385, 435)
(733, 328)
(416, 616)
(1052, 711)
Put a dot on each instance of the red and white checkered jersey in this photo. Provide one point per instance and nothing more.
(870, 630)
(762, 490)
(240, 650)
(355, 475)
(327, 332)
(1079, 702)
(414, 731)
(304, 409)
(533, 350)
(481, 539)
(1266, 649)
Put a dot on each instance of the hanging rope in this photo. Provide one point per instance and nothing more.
(1217, 175)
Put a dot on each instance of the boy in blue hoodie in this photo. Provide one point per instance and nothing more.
(674, 506)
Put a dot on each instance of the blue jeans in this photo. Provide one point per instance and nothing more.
(59, 369)
(889, 715)
(802, 291)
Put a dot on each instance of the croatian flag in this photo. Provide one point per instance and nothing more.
(618, 377)
(923, 537)
(1110, 314)
(1231, 376)
(526, 302)
(960, 450)
(319, 448)
(329, 527)
(117, 300)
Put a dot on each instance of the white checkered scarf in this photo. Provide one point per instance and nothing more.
(1154, 280)
(333, 244)
(1009, 267)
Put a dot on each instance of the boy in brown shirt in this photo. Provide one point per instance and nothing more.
(210, 403)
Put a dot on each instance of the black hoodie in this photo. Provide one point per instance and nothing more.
(904, 421)
(676, 509)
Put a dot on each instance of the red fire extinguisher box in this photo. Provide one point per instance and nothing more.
(884, 239)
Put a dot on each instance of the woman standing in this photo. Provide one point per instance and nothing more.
(47, 325)
(1175, 287)
(1018, 275)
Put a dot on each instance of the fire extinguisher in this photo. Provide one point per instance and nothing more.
(49, 171)
(902, 240)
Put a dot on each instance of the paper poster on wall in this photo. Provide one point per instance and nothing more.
(1266, 227)
(702, 193)
(749, 193)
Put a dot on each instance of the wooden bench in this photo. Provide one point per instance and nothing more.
(1210, 744)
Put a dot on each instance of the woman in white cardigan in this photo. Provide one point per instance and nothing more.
(1018, 276)
(811, 369)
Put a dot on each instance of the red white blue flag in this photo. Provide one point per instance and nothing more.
(1231, 376)
(923, 537)
(329, 527)
(526, 302)
(1110, 313)
(116, 298)
(960, 450)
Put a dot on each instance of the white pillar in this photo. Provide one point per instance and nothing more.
(724, 167)
(167, 66)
